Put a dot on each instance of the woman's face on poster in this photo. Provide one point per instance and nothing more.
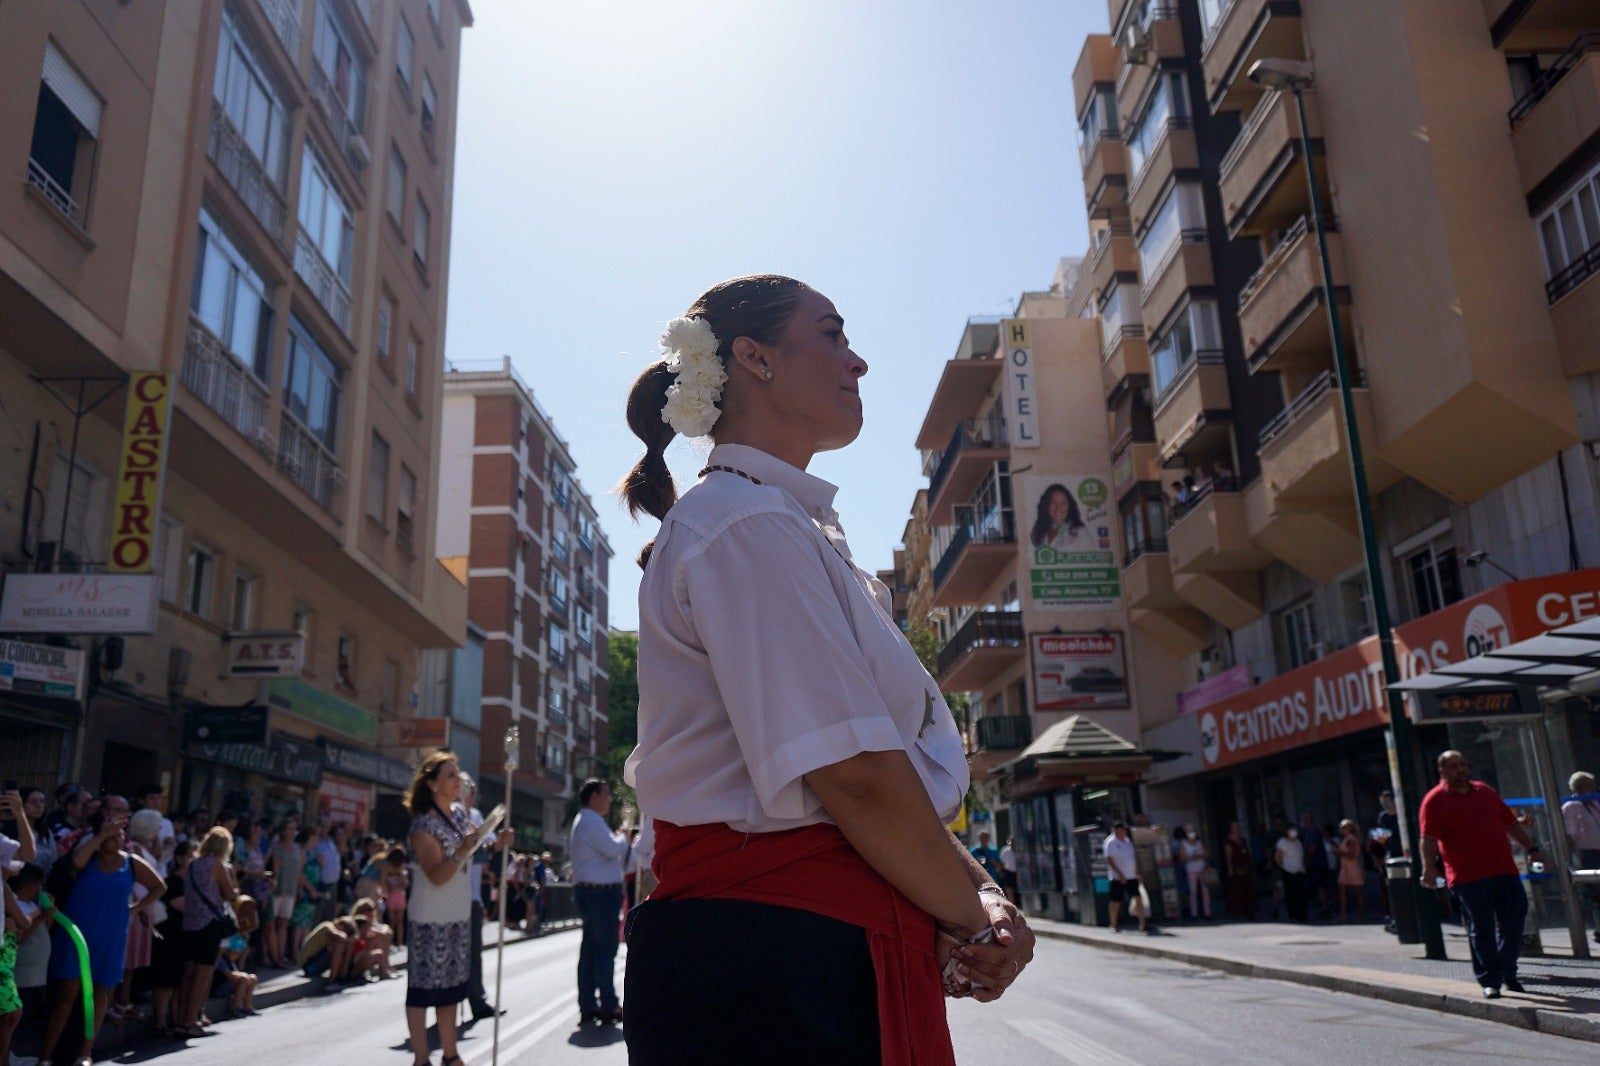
(1058, 506)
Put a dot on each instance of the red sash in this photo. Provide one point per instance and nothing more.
(815, 869)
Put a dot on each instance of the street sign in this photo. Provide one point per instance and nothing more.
(41, 670)
(227, 725)
(423, 732)
(1477, 704)
(79, 603)
(271, 654)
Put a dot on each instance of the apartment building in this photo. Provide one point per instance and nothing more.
(1456, 150)
(251, 197)
(515, 519)
(1021, 556)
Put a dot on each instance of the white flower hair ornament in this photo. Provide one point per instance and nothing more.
(691, 350)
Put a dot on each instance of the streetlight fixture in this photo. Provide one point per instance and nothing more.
(1295, 76)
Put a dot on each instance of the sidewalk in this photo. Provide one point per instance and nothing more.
(1563, 994)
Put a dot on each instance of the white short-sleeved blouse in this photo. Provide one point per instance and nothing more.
(766, 653)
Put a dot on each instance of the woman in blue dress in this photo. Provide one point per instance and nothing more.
(100, 905)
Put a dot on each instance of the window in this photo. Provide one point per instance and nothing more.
(1144, 525)
(558, 645)
(1355, 597)
(433, 14)
(394, 193)
(345, 673)
(412, 357)
(311, 386)
(300, 620)
(585, 627)
(385, 324)
(202, 569)
(405, 54)
(1119, 304)
(1570, 233)
(1168, 105)
(405, 504)
(325, 216)
(1181, 215)
(1099, 122)
(558, 592)
(378, 479)
(555, 703)
(230, 298)
(83, 503)
(1211, 14)
(554, 755)
(66, 125)
(251, 103)
(336, 57)
(586, 531)
(244, 601)
(1433, 576)
(419, 232)
(389, 686)
(430, 106)
(1195, 332)
(1297, 630)
(169, 559)
(559, 546)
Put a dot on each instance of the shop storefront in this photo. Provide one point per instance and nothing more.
(364, 789)
(270, 781)
(41, 693)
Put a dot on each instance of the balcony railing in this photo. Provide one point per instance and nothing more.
(586, 542)
(560, 550)
(226, 385)
(1573, 274)
(585, 643)
(1201, 492)
(555, 716)
(285, 21)
(586, 588)
(325, 285)
(346, 129)
(308, 462)
(993, 526)
(1299, 406)
(1287, 243)
(987, 629)
(1004, 732)
(1252, 123)
(1142, 547)
(557, 659)
(972, 433)
(558, 603)
(1551, 75)
(244, 171)
(585, 686)
(51, 190)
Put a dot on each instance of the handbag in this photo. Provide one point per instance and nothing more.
(222, 920)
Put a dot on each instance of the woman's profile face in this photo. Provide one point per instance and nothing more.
(447, 782)
(816, 377)
(1059, 506)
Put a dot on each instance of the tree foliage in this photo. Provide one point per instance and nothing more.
(622, 709)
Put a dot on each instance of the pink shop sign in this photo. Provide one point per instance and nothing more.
(1218, 687)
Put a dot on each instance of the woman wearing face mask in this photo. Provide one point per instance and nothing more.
(1290, 858)
(1193, 855)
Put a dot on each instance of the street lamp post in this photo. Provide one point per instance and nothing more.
(513, 740)
(1295, 77)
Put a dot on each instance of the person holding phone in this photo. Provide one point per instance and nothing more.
(16, 841)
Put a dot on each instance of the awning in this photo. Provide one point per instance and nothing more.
(1557, 658)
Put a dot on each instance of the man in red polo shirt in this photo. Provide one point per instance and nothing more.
(1468, 823)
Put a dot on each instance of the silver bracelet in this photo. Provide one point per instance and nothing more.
(990, 886)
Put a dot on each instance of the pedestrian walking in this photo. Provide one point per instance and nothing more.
(1383, 844)
(1240, 869)
(1580, 816)
(1289, 856)
(1351, 878)
(597, 859)
(1122, 867)
(1008, 870)
(800, 763)
(1196, 866)
(1466, 824)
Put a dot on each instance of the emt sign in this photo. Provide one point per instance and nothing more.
(140, 473)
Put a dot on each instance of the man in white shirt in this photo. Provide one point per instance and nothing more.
(597, 861)
(476, 996)
(326, 852)
(1008, 870)
(1123, 868)
(1580, 815)
(1290, 858)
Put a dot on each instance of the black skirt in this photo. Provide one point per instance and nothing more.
(713, 982)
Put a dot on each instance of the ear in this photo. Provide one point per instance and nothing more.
(750, 356)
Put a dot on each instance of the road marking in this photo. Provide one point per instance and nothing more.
(1074, 1047)
(564, 1014)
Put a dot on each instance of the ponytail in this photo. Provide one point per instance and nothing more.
(648, 487)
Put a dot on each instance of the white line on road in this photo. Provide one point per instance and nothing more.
(564, 1014)
(1074, 1047)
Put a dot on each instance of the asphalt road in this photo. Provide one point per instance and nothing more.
(1075, 1005)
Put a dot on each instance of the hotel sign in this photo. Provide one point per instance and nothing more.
(140, 473)
(79, 603)
(41, 670)
(1022, 404)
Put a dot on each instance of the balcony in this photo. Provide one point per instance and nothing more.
(1096, 67)
(1575, 313)
(1196, 405)
(1175, 152)
(1127, 354)
(1536, 25)
(226, 385)
(984, 546)
(1186, 266)
(1283, 309)
(326, 285)
(236, 161)
(1004, 732)
(986, 645)
(346, 130)
(1115, 255)
(1559, 114)
(1320, 538)
(1214, 561)
(966, 384)
(1134, 464)
(1105, 176)
(1262, 179)
(1160, 47)
(585, 686)
(975, 446)
(586, 588)
(1154, 606)
(558, 603)
(1305, 455)
(308, 463)
(47, 187)
(285, 22)
(557, 657)
(1247, 31)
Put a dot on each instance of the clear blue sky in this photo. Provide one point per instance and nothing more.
(914, 161)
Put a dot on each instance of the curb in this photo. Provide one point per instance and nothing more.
(1537, 1019)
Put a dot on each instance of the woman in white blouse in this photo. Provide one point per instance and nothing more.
(799, 762)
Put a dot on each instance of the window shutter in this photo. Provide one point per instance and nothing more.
(71, 89)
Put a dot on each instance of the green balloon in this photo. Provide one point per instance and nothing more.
(84, 980)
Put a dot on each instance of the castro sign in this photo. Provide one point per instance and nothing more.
(140, 473)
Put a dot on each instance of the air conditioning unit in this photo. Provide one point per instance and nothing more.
(1135, 42)
(265, 441)
(360, 154)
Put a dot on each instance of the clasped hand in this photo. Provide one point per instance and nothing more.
(993, 967)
